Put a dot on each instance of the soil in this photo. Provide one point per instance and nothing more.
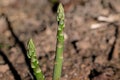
(92, 38)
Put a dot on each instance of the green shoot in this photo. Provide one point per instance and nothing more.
(34, 62)
(60, 44)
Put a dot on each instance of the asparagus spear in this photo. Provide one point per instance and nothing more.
(34, 62)
(60, 44)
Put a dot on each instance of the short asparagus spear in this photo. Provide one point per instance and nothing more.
(60, 44)
(34, 62)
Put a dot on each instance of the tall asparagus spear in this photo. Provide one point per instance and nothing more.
(60, 44)
(34, 62)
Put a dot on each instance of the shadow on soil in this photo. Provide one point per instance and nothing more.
(20, 44)
(13, 70)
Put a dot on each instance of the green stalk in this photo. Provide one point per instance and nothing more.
(60, 44)
(34, 62)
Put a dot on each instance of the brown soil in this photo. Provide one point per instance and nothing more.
(92, 38)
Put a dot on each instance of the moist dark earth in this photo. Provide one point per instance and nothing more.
(92, 38)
